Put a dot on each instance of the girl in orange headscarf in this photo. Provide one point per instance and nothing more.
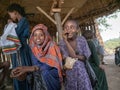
(46, 58)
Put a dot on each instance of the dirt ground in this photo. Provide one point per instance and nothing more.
(112, 73)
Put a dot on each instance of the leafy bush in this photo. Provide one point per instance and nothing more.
(110, 45)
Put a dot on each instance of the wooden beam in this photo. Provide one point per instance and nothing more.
(60, 3)
(54, 4)
(58, 25)
(42, 11)
(54, 10)
(67, 15)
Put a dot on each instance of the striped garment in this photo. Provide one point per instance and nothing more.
(9, 41)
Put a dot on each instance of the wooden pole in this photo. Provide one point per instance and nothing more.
(67, 15)
(60, 2)
(53, 5)
(42, 11)
(56, 10)
(94, 28)
(58, 25)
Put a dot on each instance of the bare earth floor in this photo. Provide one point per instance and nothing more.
(112, 73)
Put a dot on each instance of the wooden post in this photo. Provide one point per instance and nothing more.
(93, 25)
(53, 5)
(60, 2)
(58, 25)
(1, 57)
(55, 9)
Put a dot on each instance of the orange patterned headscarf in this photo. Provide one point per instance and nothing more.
(48, 52)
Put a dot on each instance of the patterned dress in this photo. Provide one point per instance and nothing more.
(77, 78)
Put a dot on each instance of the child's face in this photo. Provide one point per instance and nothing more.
(13, 15)
(39, 37)
(71, 29)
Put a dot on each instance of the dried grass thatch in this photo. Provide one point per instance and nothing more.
(84, 9)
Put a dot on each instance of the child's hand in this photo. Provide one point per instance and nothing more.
(19, 73)
(65, 35)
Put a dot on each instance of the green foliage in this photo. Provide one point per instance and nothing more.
(103, 21)
(112, 44)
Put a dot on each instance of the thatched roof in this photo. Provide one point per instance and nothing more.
(84, 9)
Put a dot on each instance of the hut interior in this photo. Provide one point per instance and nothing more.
(85, 11)
(53, 13)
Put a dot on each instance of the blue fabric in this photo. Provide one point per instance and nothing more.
(22, 31)
(49, 74)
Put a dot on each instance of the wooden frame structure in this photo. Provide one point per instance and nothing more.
(56, 10)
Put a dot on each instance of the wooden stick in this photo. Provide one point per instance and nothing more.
(60, 3)
(53, 6)
(67, 15)
(58, 25)
(42, 11)
(56, 10)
